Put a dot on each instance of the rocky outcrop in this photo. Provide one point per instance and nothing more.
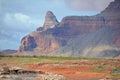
(39, 41)
(89, 32)
(17, 70)
(50, 21)
(15, 73)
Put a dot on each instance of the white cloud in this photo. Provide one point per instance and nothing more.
(21, 17)
(19, 21)
(88, 5)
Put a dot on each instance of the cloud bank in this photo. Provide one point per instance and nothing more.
(87, 5)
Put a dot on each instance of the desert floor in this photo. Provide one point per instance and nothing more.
(71, 68)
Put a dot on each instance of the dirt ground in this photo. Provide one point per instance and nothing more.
(80, 70)
(75, 69)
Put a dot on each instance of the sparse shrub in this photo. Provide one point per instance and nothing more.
(99, 69)
(116, 71)
(34, 56)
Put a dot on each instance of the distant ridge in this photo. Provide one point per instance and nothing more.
(8, 51)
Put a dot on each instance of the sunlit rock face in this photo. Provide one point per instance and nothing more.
(87, 36)
(39, 40)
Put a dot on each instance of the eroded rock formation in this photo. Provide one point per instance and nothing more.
(100, 30)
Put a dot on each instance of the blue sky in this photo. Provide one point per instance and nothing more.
(20, 17)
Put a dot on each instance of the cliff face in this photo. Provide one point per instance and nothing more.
(91, 33)
(27, 44)
(113, 10)
(79, 25)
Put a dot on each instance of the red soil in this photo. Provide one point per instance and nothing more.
(74, 72)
